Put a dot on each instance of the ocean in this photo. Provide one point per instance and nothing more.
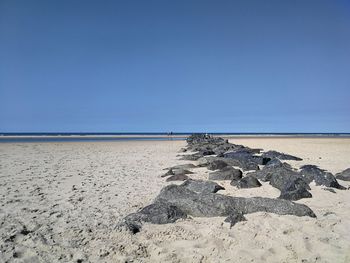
(138, 136)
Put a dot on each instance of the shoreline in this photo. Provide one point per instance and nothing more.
(178, 136)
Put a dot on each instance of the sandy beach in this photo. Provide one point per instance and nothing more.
(61, 202)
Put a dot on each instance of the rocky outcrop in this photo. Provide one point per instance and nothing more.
(175, 202)
(200, 197)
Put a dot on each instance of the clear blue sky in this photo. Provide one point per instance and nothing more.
(219, 66)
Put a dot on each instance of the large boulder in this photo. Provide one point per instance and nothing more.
(291, 184)
(208, 205)
(321, 177)
(344, 175)
(295, 190)
(226, 173)
(283, 176)
(156, 213)
(246, 182)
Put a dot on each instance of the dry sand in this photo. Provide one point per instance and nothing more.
(60, 202)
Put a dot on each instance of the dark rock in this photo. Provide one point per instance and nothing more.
(223, 148)
(295, 190)
(200, 186)
(208, 205)
(269, 170)
(262, 175)
(281, 156)
(203, 138)
(274, 162)
(282, 176)
(290, 183)
(321, 177)
(216, 164)
(246, 156)
(248, 166)
(261, 160)
(156, 213)
(207, 144)
(244, 165)
(175, 202)
(344, 175)
(177, 177)
(245, 149)
(246, 182)
(226, 173)
(234, 218)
